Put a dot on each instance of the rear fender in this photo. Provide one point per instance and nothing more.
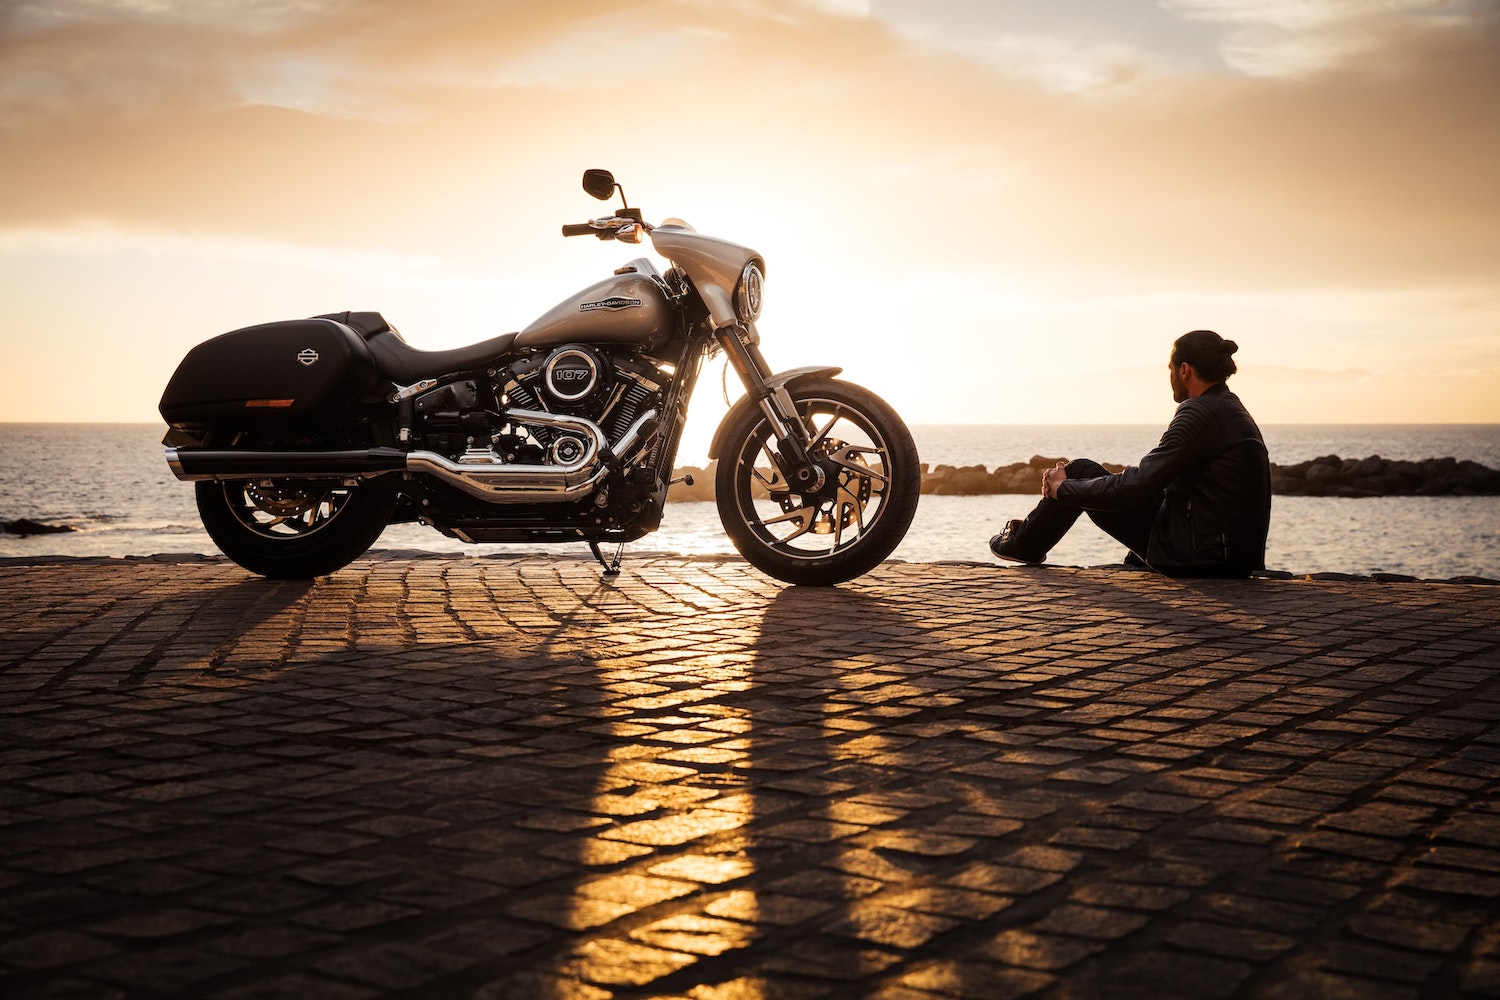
(778, 381)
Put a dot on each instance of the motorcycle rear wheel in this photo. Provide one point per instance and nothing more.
(294, 529)
(849, 524)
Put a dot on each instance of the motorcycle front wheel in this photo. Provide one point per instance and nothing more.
(843, 526)
(294, 529)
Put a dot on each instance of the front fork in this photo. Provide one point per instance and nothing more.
(742, 346)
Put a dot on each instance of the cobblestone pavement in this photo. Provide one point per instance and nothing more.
(502, 777)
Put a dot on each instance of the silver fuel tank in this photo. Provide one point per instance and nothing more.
(628, 308)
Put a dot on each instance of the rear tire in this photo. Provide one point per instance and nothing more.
(848, 525)
(294, 529)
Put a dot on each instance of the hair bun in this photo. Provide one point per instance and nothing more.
(1230, 347)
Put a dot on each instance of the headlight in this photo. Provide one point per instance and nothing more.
(750, 293)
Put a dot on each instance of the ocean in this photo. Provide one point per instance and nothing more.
(110, 481)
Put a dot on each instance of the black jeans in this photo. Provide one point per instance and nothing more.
(1045, 526)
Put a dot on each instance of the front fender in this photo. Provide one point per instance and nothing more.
(777, 381)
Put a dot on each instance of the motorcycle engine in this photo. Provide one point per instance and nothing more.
(575, 379)
(610, 388)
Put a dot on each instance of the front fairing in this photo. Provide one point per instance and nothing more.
(713, 265)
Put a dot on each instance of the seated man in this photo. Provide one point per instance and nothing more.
(1198, 505)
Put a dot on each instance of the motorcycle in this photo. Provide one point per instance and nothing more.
(305, 438)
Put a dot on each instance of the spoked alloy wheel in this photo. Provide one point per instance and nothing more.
(847, 520)
(294, 529)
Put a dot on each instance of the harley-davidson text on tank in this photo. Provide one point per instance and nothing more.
(617, 302)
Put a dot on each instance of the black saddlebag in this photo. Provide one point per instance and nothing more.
(273, 375)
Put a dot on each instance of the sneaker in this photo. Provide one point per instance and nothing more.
(1004, 545)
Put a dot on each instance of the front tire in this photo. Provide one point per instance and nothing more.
(294, 529)
(851, 521)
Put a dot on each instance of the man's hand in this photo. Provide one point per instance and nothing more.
(1053, 478)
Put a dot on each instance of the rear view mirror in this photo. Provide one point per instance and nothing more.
(599, 183)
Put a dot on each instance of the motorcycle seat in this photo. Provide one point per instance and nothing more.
(403, 364)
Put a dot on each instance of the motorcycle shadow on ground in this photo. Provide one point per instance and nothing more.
(470, 794)
(744, 768)
(225, 635)
(511, 779)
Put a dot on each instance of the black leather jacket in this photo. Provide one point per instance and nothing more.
(1212, 478)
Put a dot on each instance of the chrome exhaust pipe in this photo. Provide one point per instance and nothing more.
(479, 473)
(482, 473)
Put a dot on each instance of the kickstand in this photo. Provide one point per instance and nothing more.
(611, 568)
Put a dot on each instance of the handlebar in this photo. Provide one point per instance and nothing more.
(609, 227)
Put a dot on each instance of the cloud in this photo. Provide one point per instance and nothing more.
(1058, 62)
(256, 16)
(1378, 172)
(841, 8)
(1065, 163)
(349, 60)
(1292, 38)
(1378, 169)
(100, 239)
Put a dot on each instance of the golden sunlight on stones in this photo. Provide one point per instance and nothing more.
(568, 912)
(594, 852)
(621, 963)
(885, 925)
(696, 935)
(698, 868)
(673, 830)
(635, 890)
(767, 907)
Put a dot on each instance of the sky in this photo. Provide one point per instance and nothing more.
(987, 212)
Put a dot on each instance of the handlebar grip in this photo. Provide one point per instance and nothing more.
(579, 229)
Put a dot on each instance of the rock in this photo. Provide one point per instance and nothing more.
(1439, 466)
(1019, 478)
(1321, 471)
(1375, 476)
(1473, 478)
(1324, 474)
(702, 488)
(26, 526)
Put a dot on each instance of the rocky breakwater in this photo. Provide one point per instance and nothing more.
(26, 526)
(702, 487)
(1327, 476)
(1379, 477)
(976, 480)
(944, 480)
